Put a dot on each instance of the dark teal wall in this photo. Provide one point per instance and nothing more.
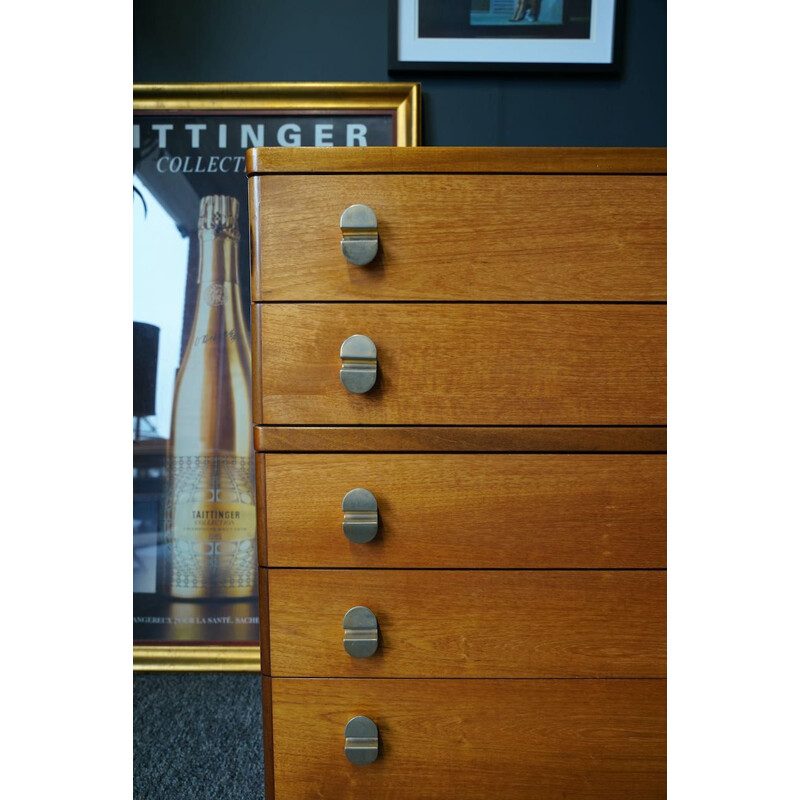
(346, 40)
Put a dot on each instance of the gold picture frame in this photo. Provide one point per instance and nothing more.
(403, 100)
(293, 114)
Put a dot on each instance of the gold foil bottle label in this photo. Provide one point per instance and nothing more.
(212, 518)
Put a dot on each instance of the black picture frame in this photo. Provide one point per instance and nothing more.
(441, 36)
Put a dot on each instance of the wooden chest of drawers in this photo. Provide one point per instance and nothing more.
(513, 443)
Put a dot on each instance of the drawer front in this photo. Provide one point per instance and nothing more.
(471, 624)
(472, 740)
(468, 510)
(464, 364)
(465, 237)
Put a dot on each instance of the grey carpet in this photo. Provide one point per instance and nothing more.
(197, 736)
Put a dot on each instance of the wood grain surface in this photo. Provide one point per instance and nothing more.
(529, 160)
(472, 624)
(266, 717)
(473, 739)
(465, 237)
(263, 628)
(465, 364)
(468, 510)
(505, 439)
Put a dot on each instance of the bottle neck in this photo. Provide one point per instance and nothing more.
(219, 258)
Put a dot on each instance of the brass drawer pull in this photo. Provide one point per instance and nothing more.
(361, 740)
(360, 523)
(359, 226)
(360, 632)
(359, 364)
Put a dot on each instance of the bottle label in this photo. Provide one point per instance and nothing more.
(214, 294)
(211, 527)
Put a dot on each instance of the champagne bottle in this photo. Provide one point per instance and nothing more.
(210, 521)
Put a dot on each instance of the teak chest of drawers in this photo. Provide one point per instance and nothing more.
(486, 618)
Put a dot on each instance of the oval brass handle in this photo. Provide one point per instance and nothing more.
(360, 523)
(359, 226)
(359, 363)
(360, 632)
(361, 740)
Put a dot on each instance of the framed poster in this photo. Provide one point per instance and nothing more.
(504, 35)
(195, 576)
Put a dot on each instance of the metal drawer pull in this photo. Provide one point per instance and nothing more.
(360, 632)
(359, 364)
(361, 740)
(359, 225)
(360, 522)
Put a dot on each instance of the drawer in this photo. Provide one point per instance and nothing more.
(486, 510)
(471, 624)
(465, 237)
(464, 364)
(472, 740)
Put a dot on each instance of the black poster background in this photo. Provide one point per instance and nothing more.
(180, 158)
